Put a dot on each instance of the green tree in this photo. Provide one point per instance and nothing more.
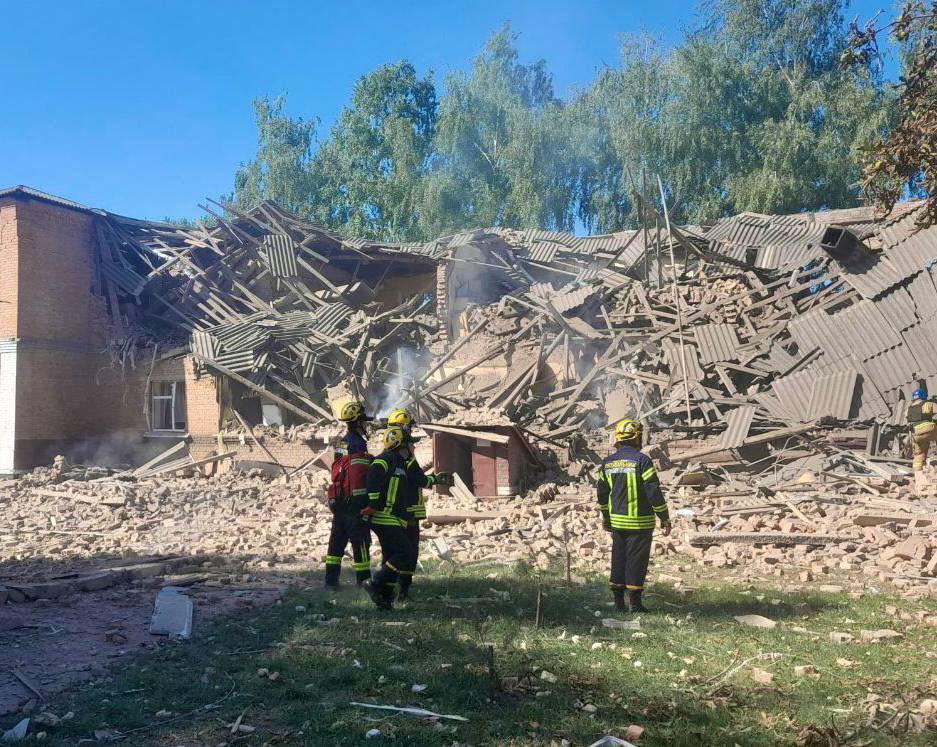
(501, 148)
(904, 160)
(279, 171)
(369, 175)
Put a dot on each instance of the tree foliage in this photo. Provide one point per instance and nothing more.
(751, 111)
(904, 160)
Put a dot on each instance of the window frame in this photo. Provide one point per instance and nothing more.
(173, 398)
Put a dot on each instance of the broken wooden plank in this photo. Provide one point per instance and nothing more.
(765, 538)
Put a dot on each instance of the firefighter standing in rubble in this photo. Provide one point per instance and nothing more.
(386, 511)
(629, 494)
(417, 480)
(348, 496)
(921, 412)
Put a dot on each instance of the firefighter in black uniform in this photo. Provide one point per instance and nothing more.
(417, 481)
(630, 496)
(387, 513)
(347, 496)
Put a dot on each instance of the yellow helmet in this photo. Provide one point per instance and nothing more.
(351, 411)
(627, 430)
(394, 437)
(400, 417)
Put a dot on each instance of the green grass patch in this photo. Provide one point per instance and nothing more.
(470, 638)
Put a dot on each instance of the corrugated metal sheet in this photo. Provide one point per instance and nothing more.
(869, 274)
(717, 342)
(775, 359)
(793, 393)
(816, 329)
(773, 406)
(738, 424)
(898, 308)
(865, 330)
(280, 251)
(896, 231)
(542, 251)
(672, 357)
(924, 294)
(891, 369)
(564, 302)
(915, 253)
(921, 340)
(832, 395)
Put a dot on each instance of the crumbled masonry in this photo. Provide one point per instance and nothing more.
(770, 358)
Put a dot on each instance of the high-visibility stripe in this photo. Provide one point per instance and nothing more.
(632, 522)
(649, 474)
(392, 488)
(631, 587)
(365, 553)
(333, 560)
(361, 461)
(632, 494)
(360, 491)
(362, 566)
(380, 461)
(660, 509)
(374, 496)
(386, 520)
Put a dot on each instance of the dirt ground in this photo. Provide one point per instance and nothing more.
(59, 644)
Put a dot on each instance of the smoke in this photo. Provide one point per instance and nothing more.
(119, 449)
(409, 366)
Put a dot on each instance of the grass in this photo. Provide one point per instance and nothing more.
(469, 637)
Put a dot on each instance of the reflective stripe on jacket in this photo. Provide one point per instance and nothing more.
(417, 479)
(387, 490)
(921, 414)
(628, 490)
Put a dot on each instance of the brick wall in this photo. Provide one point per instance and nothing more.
(70, 396)
(9, 269)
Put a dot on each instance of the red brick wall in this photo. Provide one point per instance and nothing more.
(69, 392)
(9, 269)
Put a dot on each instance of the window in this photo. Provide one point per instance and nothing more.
(167, 406)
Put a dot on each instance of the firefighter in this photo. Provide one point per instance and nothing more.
(630, 496)
(387, 514)
(921, 413)
(348, 495)
(417, 480)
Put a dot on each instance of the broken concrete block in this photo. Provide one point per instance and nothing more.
(172, 614)
(805, 670)
(876, 636)
(609, 741)
(761, 676)
(610, 622)
(838, 637)
(756, 621)
(17, 733)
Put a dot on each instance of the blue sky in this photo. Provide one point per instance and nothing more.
(144, 107)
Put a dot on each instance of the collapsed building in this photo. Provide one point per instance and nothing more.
(769, 357)
(239, 335)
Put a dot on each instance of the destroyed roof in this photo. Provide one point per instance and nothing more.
(766, 320)
(22, 190)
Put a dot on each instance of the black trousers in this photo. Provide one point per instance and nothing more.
(631, 551)
(348, 527)
(398, 554)
(413, 534)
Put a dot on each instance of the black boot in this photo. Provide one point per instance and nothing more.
(390, 593)
(634, 601)
(332, 573)
(378, 593)
(404, 585)
(619, 595)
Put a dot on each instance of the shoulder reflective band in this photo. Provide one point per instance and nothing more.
(380, 462)
(648, 474)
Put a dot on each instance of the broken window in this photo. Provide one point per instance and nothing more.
(167, 405)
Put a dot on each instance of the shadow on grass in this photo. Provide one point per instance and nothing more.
(291, 671)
